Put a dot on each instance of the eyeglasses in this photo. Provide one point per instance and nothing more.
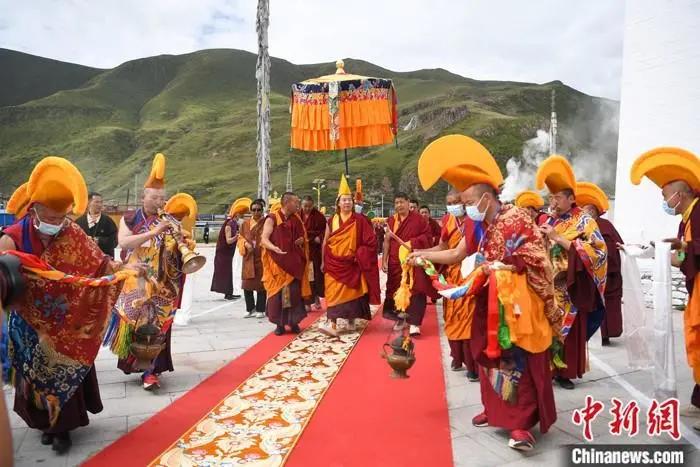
(256, 209)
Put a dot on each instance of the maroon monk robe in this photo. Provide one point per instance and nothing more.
(86, 399)
(315, 224)
(414, 229)
(612, 320)
(535, 401)
(222, 282)
(435, 231)
(584, 294)
(286, 307)
(690, 268)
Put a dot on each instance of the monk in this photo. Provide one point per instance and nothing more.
(515, 376)
(315, 224)
(676, 172)
(534, 204)
(222, 280)
(284, 266)
(682, 199)
(413, 205)
(594, 201)
(529, 361)
(249, 244)
(350, 265)
(579, 258)
(407, 228)
(435, 228)
(457, 313)
(147, 238)
(56, 329)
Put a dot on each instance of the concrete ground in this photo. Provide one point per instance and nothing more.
(218, 333)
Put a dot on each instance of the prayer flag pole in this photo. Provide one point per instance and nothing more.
(262, 74)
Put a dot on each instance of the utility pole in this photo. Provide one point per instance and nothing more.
(553, 126)
(290, 188)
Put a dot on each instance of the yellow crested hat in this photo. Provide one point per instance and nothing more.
(665, 165)
(556, 173)
(181, 205)
(19, 201)
(55, 183)
(529, 199)
(344, 187)
(590, 193)
(157, 177)
(276, 206)
(240, 206)
(459, 160)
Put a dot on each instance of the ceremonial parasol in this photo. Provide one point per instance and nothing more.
(342, 111)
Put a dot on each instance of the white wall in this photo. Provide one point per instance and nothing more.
(660, 105)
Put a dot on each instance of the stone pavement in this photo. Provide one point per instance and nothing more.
(218, 333)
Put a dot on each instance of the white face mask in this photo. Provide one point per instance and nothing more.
(358, 208)
(473, 211)
(46, 228)
(456, 210)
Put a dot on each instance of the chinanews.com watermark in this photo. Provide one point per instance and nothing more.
(660, 419)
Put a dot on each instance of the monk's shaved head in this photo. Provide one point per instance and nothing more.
(453, 197)
(679, 186)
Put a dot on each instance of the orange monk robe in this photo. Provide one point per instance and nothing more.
(458, 316)
(689, 230)
(350, 259)
(285, 276)
(458, 313)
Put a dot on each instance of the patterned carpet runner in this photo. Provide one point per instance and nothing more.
(261, 420)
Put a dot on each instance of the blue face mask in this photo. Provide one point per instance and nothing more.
(671, 211)
(456, 210)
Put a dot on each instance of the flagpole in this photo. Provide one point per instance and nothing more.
(262, 74)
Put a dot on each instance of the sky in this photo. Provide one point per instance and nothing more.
(579, 43)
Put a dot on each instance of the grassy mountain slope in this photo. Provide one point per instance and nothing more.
(199, 109)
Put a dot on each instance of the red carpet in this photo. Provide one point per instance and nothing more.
(366, 418)
(151, 438)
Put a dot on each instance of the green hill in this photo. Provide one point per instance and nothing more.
(199, 109)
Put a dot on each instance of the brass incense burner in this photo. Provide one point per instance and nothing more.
(146, 344)
(399, 354)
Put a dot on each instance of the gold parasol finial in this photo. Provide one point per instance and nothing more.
(340, 67)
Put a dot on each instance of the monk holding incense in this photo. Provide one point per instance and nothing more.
(515, 377)
(408, 230)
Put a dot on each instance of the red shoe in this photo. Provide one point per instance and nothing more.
(150, 382)
(480, 420)
(522, 440)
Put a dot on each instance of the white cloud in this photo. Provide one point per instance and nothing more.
(579, 43)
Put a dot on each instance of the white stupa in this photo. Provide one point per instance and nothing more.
(660, 105)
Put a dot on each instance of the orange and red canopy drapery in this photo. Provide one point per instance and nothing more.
(352, 112)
